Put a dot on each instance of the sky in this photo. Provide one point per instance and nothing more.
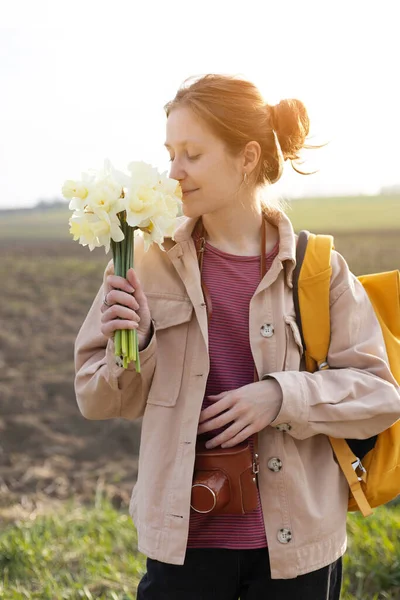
(84, 80)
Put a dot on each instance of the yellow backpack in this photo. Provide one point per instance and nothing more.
(375, 480)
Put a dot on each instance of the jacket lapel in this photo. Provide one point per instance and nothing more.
(183, 256)
(184, 259)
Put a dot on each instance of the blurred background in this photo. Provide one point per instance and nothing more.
(85, 80)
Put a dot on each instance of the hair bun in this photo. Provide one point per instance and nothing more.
(289, 120)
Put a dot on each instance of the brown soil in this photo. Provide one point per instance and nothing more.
(48, 451)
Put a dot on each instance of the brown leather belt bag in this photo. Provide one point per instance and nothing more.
(225, 479)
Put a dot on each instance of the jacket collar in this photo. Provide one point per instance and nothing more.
(287, 238)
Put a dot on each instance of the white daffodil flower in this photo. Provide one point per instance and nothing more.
(109, 205)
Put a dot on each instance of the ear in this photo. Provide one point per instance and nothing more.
(251, 155)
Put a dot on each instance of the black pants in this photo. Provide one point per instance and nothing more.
(216, 574)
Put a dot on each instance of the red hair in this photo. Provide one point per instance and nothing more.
(236, 112)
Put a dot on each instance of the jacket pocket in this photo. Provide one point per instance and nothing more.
(171, 317)
(294, 345)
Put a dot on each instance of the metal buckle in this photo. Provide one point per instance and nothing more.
(256, 465)
(357, 464)
(323, 366)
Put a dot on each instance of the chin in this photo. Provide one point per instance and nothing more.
(190, 210)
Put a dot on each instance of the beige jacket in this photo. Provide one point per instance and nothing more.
(304, 496)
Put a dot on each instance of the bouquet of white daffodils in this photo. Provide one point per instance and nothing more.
(109, 206)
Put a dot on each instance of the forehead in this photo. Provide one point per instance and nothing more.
(184, 128)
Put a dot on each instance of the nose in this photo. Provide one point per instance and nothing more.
(176, 171)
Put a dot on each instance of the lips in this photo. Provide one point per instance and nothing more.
(186, 192)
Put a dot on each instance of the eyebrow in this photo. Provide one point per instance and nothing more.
(184, 143)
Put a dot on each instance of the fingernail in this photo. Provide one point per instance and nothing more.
(130, 289)
(209, 445)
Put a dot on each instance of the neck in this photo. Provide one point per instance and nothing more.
(235, 231)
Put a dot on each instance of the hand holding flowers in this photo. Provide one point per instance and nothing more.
(109, 206)
(126, 298)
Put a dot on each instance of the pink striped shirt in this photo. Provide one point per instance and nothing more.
(231, 281)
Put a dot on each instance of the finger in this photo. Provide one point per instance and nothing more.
(226, 436)
(218, 396)
(243, 435)
(116, 311)
(122, 298)
(126, 300)
(216, 408)
(109, 328)
(119, 283)
(133, 279)
(217, 423)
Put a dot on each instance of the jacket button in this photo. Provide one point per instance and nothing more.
(267, 330)
(284, 427)
(284, 536)
(274, 464)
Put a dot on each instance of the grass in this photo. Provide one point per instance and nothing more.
(354, 213)
(372, 562)
(35, 225)
(91, 552)
(76, 553)
(357, 213)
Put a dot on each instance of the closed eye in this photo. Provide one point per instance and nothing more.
(189, 157)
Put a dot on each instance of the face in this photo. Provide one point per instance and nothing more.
(210, 177)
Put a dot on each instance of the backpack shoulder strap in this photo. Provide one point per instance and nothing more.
(311, 285)
(311, 288)
(301, 248)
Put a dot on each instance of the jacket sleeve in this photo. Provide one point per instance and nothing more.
(358, 396)
(103, 389)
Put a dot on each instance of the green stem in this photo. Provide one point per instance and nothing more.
(117, 343)
(124, 333)
(137, 354)
(124, 244)
(117, 265)
(128, 249)
(118, 270)
(124, 342)
(131, 345)
(135, 335)
(117, 335)
(127, 232)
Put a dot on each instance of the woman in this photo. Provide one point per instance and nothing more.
(226, 145)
